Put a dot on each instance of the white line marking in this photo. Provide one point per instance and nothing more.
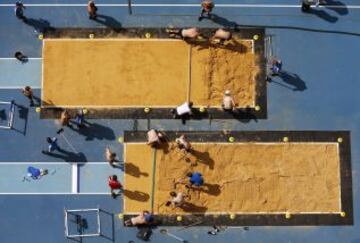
(245, 213)
(53, 193)
(18, 87)
(13, 58)
(74, 178)
(179, 5)
(249, 143)
(53, 163)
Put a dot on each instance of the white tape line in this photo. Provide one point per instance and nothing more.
(75, 178)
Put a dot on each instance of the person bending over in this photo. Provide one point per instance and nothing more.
(144, 218)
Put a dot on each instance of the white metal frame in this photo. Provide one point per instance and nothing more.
(11, 114)
(67, 212)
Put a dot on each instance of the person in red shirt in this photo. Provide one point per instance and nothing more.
(114, 185)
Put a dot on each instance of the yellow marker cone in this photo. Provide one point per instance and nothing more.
(231, 139)
(232, 216)
(202, 109)
(287, 215)
(179, 218)
(37, 109)
(41, 36)
(343, 214)
(91, 36)
(285, 139)
(120, 139)
(257, 108)
(147, 35)
(85, 111)
(339, 140)
(256, 37)
(120, 216)
(147, 109)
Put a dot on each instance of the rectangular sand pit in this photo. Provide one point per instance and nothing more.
(155, 73)
(242, 178)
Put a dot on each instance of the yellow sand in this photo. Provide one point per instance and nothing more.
(138, 177)
(250, 178)
(232, 67)
(139, 73)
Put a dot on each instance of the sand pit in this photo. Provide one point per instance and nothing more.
(139, 72)
(232, 67)
(243, 178)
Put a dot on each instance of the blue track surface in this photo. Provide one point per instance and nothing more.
(319, 91)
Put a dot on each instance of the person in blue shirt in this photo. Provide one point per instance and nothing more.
(195, 178)
(52, 145)
(36, 173)
(80, 118)
(276, 67)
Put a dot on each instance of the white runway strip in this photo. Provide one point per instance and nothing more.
(74, 178)
(178, 5)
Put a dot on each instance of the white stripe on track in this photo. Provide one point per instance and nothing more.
(178, 5)
(54, 193)
(13, 58)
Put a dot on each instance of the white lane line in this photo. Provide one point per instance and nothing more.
(54, 193)
(18, 87)
(179, 5)
(53, 163)
(75, 178)
(13, 58)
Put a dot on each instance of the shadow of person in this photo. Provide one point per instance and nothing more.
(136, 195)
(108, 21)
(294, 80)
(37, 99)
(232, 45)
(40, 25)
(203, 157)
(190, 207)
(323, 15)
(93, 131)
(244, 115)
(224, 22)
(133, 170)
(23, 115)
(164, 146)
(3, 115)
(337, 6)
(212, 189)
(67, 156)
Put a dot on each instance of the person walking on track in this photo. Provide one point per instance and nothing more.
(206, 8)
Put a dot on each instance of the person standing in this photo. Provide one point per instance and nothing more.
(206, 8)
(110, 157)
(19, 10)
(64, 121)
(306, 4)
(80, 118)
(276, 66)
(114, 185)
(228, 103)
(92, 9)
(52, 145)
(27, 92)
